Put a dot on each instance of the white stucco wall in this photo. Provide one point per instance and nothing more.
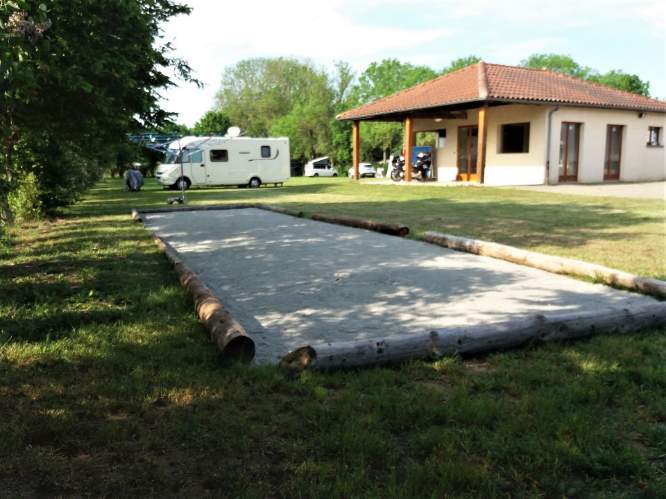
(638, 161)
(501, 168)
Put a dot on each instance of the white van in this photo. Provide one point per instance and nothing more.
(320, 167)
(242, 161)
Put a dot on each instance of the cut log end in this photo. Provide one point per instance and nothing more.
(299, 359)
(240, 348)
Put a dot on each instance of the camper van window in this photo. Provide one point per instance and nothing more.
(219, 155)
(265, 151)
(196, 157)
(170, 157)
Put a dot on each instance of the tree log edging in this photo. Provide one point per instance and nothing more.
(230, 337)
(554, 264)
(359, 223)
(476, 339)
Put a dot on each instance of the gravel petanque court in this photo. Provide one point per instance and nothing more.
(293, 282)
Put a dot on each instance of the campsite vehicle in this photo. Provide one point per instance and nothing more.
(364, 170)
(320, 167)
(241, 161)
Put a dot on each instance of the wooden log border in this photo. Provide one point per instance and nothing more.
(476, 339)
(554, 264)
(232, 340)
(230, 337)
(359, 223)
(384, 228)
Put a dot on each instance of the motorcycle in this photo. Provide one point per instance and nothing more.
(420, 169)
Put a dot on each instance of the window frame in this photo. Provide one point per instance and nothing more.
(660, 136)
(526, 140)
(262, 149)
(226, 156)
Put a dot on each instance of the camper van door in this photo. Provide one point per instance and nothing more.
(219, 166)
(197, 165)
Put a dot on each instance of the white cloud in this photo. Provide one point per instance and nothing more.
(216, 35)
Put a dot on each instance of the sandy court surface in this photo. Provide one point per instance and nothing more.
(292, 282)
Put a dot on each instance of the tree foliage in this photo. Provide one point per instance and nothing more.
(76, 76)
(567, 65)
(212, 123)
(280, 96)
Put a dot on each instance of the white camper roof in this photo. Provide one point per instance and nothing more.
(192, 142)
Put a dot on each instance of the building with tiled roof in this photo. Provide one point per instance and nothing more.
(510, 125)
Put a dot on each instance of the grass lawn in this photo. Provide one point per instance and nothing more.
(109, 387)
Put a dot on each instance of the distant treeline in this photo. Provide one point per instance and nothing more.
(295, 98)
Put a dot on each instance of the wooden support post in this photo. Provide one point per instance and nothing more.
(409, 147)
(356, 147)
(483, 134)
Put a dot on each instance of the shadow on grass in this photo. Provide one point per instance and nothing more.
(139, 406)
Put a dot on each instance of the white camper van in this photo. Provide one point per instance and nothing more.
(242, 161)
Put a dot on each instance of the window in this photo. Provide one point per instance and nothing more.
(196, 157)
(265, 151)
(441, 139)
(219, 155)
(515, 138)
(654, 136)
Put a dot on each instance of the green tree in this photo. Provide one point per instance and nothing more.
(460, 63)
(558, 63)
(76, 76)
(280, 96)
(623, 81)
(567, 65)
(378, 140)
(342, 81)
(212, 123)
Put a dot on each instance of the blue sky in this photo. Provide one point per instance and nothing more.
(603, 34)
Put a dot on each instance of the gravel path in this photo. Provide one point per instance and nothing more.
(292, 282)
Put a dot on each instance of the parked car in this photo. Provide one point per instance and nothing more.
(364, 170)
(320, 167)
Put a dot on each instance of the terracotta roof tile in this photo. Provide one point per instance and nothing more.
(496, 82)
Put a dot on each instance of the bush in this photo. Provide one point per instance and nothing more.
(24, 201)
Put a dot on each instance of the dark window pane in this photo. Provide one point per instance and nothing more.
(219, 155)
(515, 138)
(265, 151)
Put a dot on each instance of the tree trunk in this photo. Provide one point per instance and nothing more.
(6, 214)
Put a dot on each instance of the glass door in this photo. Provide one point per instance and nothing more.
(613, 152)
(468, 143)
(569, 151)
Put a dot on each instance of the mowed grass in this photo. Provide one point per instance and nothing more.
(108, 386)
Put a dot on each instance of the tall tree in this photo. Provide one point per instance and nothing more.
(280, 96)
(76, 76)
(460, 63)
(342, 83)
(379, 80)
(212, 123)
(567, 65)
(623, 81)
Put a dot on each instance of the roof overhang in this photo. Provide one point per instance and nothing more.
(452, 111)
